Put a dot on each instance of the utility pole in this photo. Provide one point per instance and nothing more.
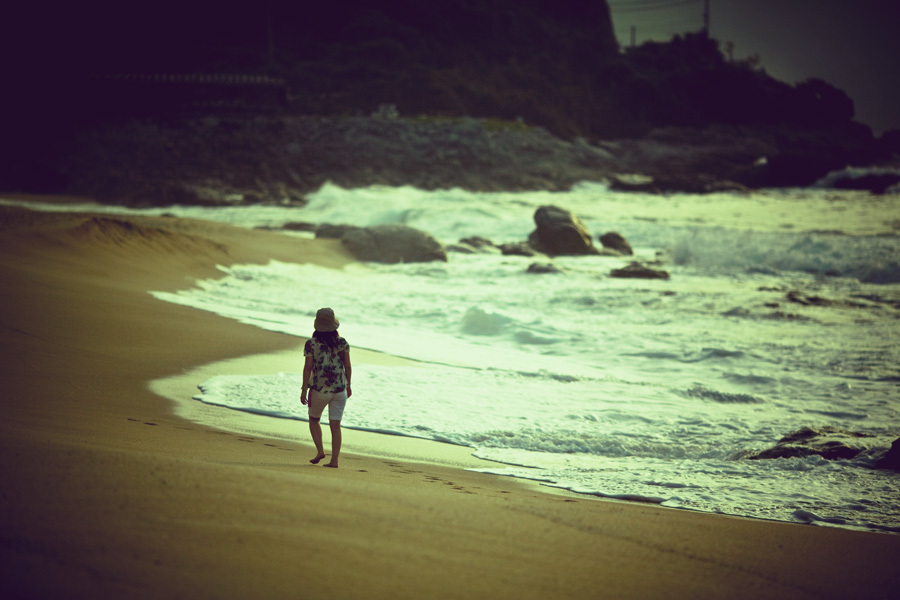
(633, 36)
(706, 18)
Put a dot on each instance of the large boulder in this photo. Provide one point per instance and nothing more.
(560, 232)
(393, 244)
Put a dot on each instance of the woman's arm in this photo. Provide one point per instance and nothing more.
(307, 373)
(345, 357)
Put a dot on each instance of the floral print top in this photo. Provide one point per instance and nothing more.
(328, 368)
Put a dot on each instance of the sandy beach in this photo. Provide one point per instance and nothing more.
(112, 490)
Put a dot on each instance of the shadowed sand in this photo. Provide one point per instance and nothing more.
(112, 490)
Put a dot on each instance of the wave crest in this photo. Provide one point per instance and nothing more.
(871, 259)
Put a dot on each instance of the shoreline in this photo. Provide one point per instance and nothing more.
(382, 445)
(108, 493)
(180, 388)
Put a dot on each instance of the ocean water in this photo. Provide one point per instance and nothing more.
(651, 390)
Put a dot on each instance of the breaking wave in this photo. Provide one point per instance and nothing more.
(870, 259)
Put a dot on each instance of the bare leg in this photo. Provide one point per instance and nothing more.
(315, 430)
(335, 444)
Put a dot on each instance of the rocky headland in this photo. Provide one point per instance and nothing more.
(494, 95)
(270, 158)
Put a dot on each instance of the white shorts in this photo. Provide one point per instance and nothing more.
(334, 401)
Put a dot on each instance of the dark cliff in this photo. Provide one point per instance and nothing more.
(118, 103)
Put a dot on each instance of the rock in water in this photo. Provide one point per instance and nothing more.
(517, 249)
(560, 232)
(891, 460)
(333, 232)
(474, 245)
(543, 269)
(828, 442)
(393, 244)
(615, 241)
(480, 244)
(638, 271)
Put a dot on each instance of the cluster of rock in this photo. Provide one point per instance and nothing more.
(831, 443)
(721, 158)
(558, 232)
(828, 442)
(249, 159)
(267, 158)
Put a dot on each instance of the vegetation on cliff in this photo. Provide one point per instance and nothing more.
(482, 82)
(552, 63)
(555, 64)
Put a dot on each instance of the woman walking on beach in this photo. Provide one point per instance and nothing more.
(327, 373)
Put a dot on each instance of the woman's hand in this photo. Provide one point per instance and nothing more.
(303, 399)
(349, 392)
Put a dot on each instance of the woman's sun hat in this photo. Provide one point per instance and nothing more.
(326, 321)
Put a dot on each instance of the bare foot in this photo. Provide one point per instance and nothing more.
(316, 460)
(333, 466)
